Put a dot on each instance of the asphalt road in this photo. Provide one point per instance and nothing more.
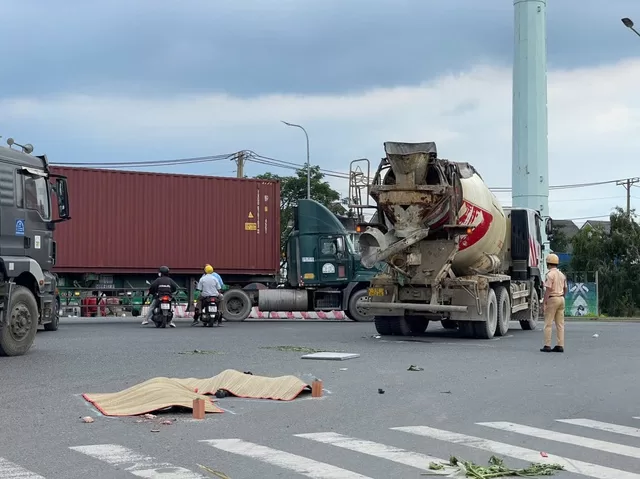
(506, 382)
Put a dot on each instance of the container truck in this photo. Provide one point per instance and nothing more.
(451, 252)
(127, 224)
(28, 287)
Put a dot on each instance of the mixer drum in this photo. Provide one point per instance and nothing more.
(482, 211)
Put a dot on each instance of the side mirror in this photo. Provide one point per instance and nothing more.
(548, 227)
(63, 198)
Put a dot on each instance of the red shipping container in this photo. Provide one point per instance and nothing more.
(134, 222)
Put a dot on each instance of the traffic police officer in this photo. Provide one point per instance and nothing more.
(555, 289)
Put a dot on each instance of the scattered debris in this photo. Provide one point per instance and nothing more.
(200, 351)
(167, 422)
(155, 430)
(88, 419)
(331, 356)
(380, 391)
(293, 349)
(219, 474)
(414, 368)
(149, 416)
(544, 454)
(596, 335)
(377, 336)
(343, 369)
(249, 373)
(445, 392)
(496, 468)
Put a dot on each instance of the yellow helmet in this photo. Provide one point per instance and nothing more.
(553, 259)
(208, 269)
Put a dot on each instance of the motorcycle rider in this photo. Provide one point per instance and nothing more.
(163, 281)
(209, 286)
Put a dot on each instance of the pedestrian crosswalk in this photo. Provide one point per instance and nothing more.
(356, 450)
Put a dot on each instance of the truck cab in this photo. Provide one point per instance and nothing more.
(28, 288)
(324, 271)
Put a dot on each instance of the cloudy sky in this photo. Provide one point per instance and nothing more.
(88, 81)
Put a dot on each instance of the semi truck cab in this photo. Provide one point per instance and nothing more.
(28, 287)
(324, 271)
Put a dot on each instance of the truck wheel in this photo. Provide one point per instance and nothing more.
(19, 331)
(384, 325)
(400, 326)
(417, 324)
(236, 305)
(504, 311)
(529, 317)
(466, 329)
(487, 328)
(448, 324)
(55, 321)
(354, 312)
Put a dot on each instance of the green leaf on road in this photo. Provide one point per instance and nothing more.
(496, 468)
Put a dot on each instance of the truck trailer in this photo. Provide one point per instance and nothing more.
(127, 224)
(451, 252)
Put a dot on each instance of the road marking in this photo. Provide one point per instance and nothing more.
(517, 452)
(9, 470)
(587, 442)
(603, 426)
(395, 454)
(301, 465)
(136, 464)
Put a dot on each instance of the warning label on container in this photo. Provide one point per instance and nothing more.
(250, 214)
(250, 226)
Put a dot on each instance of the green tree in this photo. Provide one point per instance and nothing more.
(559, 241)
(294, 187)
(616, 258)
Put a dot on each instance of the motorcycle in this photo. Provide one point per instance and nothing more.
(211, 312)
(163, 312)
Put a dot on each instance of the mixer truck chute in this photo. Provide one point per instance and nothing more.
(451, 252)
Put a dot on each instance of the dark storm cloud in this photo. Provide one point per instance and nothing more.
(250, 47)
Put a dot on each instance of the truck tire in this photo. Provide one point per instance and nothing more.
(236, 305)
(383, 325)
(417, 324)
(19, 332)
(528, 318)
(55, 321)
(486, 329)
(504, 311)
(466, 329)
(400, 326)
(353, 312)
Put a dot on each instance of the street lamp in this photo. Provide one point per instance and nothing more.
(629, 24)
(308, 164)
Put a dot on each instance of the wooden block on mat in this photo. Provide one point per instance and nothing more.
(198, 408)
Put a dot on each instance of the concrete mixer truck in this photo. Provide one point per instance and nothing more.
(447, 250)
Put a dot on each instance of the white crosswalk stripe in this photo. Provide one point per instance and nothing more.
(139, 465)
(517, 452)
(603, 426)
(9, 470)
(612, 447)
(136, 464)
(293, 462)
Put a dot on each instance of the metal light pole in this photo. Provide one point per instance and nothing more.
(308, 164)
(629, 24)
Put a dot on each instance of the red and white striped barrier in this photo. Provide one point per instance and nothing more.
(180, 311)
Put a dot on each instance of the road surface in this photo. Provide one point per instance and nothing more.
(473, 399)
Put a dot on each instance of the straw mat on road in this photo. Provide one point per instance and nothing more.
(161, 393)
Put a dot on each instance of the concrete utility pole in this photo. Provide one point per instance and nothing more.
(240, 163)
(627, 186)
(629, 24)
(308, 164)
(530, 163)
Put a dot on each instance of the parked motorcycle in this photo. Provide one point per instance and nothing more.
(163, 312)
